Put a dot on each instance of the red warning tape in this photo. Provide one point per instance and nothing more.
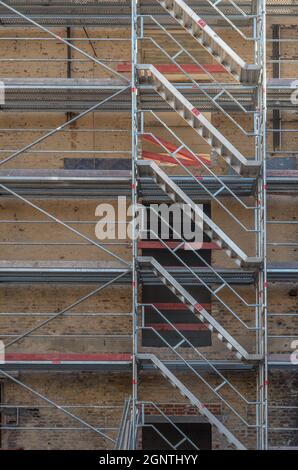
(202, 23)
(199, 307)
(195, 111)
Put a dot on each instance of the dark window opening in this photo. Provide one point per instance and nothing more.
(200, 434)
(171, 312)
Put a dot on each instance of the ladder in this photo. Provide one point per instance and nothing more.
(194, 306)
(194, 400)
(176, 194)
(214, 45)
(203, 127)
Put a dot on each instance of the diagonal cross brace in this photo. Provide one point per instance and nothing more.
(58, 407)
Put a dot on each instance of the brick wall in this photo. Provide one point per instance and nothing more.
(180, 409)
(84, 389)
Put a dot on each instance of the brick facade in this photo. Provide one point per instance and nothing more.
(107, 334)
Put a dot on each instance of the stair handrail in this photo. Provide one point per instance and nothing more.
(198, 180)
(197, 84)
(229, 21)
(169, 420)
(196, 119)
(201, 258)
(226, 18)
(199, 160)
(200, 354)
(205, 285)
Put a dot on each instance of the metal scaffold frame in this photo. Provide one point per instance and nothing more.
(56, 362)
(259, 33)
(145, 94)
(260, 129)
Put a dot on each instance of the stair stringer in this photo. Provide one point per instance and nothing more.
(194, 400)
(201, 125)
(194, 306)
(178, 195)
(211, 42)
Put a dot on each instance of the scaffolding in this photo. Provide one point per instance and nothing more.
(187, 40)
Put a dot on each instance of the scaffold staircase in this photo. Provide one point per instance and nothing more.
(203, 127)
(179, 275)
(194, 306)
(194, 400)
(214, 45)
(177, 195)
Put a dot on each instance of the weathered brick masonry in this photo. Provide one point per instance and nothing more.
(98, 397)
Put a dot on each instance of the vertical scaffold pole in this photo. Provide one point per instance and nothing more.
(262, 284)
(264, 228)
(134, 200)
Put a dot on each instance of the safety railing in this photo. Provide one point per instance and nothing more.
(237, 6)
(187, 362)
(202, 282)
(283, 436)
(182, 241)
(168, 420)
(198, 179)
(21, 418)
(223, 89)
